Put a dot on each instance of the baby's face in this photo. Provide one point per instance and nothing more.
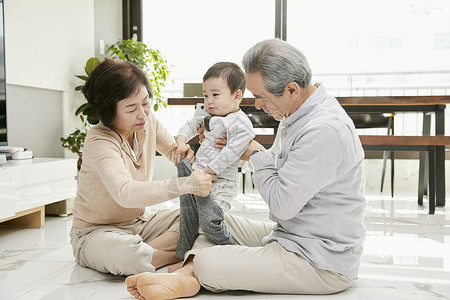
(219, 101)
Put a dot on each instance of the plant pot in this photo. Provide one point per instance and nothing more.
(80, 161)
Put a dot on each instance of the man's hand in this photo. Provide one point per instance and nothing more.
(252, 146)
(219, 143)
(201, 133)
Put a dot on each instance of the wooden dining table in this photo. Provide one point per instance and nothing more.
(427, 105)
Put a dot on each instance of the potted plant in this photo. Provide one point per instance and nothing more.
(136, 52)
(74, 142)
(149, 60)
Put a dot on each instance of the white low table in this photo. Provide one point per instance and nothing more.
(26, 186)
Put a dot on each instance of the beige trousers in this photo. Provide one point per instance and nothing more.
(253, 267)
(122, 250)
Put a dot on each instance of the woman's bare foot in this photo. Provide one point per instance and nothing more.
(174, 267)
(162, 285)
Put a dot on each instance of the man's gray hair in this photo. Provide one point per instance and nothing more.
(278, 63)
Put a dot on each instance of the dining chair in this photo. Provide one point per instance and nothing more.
(378, 120)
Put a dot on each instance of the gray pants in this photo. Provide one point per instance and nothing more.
(195, 212)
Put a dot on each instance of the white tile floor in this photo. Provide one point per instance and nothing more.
(407, 256)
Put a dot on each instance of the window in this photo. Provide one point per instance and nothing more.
(391, 40)
(354, 47)
(391, 35)
(193, 35)
(442, 41)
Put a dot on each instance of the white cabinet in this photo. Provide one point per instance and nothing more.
(6, 193)
(26, 186)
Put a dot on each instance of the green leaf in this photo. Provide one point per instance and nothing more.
(91, 64)
(74, 142)
(82, 77)
(82, 108)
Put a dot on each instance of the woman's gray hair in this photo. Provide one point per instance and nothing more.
(278, 63)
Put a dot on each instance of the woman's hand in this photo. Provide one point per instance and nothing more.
(252, 146)
(178, 153)
(201, 183)
(182, 152)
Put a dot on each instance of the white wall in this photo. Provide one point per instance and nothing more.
(108, 23)
(47, 43)
(33, 121)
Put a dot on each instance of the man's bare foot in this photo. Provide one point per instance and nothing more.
(162, 286)
(174, 267)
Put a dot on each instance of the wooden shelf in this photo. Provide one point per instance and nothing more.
(34, 218)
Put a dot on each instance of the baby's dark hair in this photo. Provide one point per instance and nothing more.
(229, 71)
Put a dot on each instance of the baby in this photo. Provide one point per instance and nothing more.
(223, 88)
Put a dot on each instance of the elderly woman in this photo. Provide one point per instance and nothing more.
(111, 231)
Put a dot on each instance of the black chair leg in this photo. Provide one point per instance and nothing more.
(431, 179)
(440, 171)
(422, 177)
(383, 172)
(426, 129)
(243, 179)
(390, 128)
(392, 173)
